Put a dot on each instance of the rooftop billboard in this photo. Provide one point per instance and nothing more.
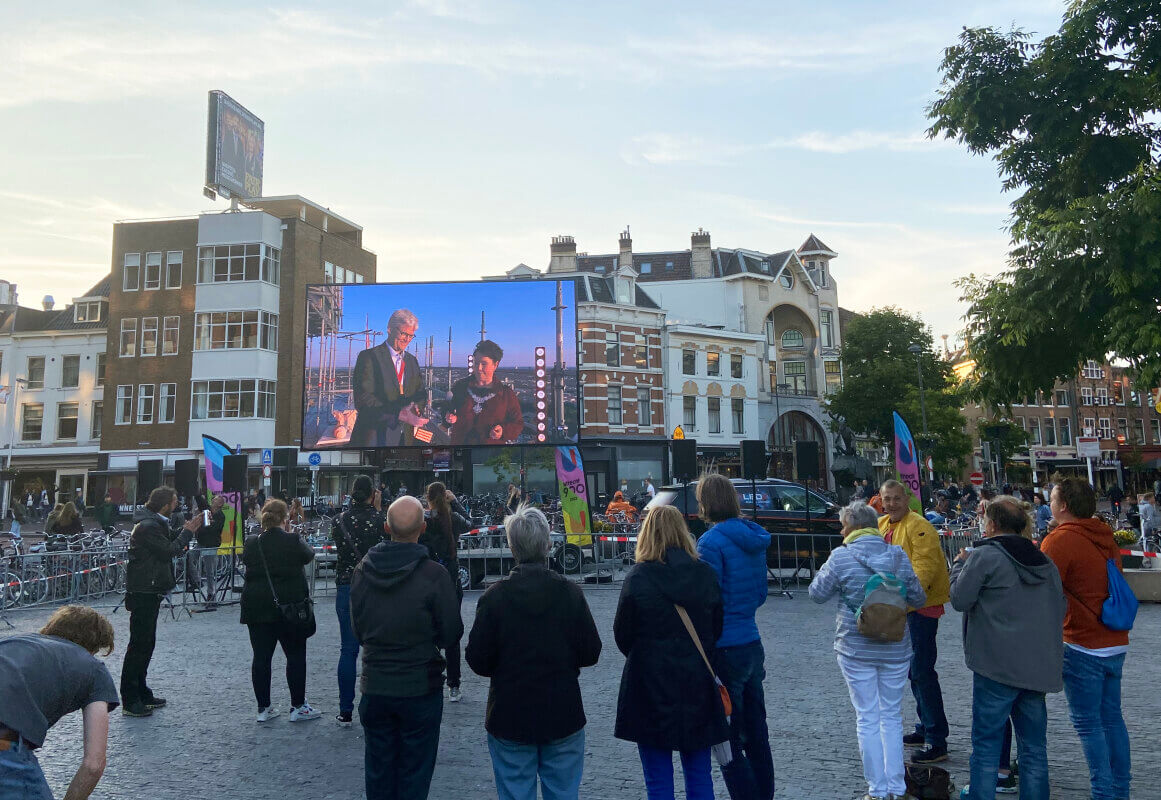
(234, 149)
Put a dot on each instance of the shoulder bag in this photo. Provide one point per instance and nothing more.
(721, 751)
(1119, 610)
(300, 613)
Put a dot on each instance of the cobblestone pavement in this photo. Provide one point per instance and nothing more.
(206, 744)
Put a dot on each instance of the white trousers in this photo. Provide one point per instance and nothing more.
(876, 691)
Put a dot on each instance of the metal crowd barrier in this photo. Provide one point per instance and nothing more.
(44, 578)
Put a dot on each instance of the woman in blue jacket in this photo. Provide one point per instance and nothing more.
(736, 549)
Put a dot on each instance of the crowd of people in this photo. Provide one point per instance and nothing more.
(1036, 619)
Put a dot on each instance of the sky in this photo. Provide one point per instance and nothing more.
(463, 134)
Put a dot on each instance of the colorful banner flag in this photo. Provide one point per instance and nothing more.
(574, 496)
(907, 460)
(215, 451)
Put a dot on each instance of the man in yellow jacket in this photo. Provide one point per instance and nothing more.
(903, 527)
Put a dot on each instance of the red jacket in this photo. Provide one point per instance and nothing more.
(1079, 550)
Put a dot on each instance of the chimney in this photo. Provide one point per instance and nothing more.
(48, 302)
(626, 257)
(562, 254)
(701, 259)
(946, 352)
(7, 293)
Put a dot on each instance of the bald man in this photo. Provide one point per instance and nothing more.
(403, 612)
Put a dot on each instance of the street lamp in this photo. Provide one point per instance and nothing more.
(916, 351)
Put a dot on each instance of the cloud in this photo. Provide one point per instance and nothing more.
(665, 149)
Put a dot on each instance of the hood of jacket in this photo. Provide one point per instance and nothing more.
(746, 535)
(876, 553)
(143, 514)
(677, 578)
(1096, 532)
(1032, 566)
(618, 497)
(388, 564)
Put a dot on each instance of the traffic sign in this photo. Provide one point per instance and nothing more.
(314, 460)
(678, 433)
(977, 479)
(265, 470)
(1088, 447)
(267, 456)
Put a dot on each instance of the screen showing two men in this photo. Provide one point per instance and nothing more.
(440, 364)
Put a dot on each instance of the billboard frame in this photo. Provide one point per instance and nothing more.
(219, 104)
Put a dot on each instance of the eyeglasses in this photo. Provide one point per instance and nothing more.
(399, 333)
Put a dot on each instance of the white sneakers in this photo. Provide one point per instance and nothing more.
(454, 694)
(304, 712)
(268, 713)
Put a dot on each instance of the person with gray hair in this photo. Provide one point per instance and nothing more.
(875, 671)
(533, 632)
(388, 388)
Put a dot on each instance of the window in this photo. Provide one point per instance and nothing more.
(646, 267)
(774, 376)
(1034, 430)
(796, 376)
(167, 411)
(227, 263)
(232, 330)
(763, 292)
(1062, 397)
(170, 333)
(70, 372)
(713, 363)
(1093, 370)
(1105, 430)
(786, 279)
(149, 336)
(124, 410)
(823, 280)
(735, 366)
(612, 349)
(641, 353)
(87, 312)
(173, 269)
(644, 406)
(1118, 394)
(1039, 397)
(1022, 423)
(32, 421)
(1086, 395)
(128, 338)
(328, 272)
(826, 323)
(668, 266)
(1102, 396)
(1089, 427)
(232, 399)
(689, 413)
(131, 279)
(1140, 426)
(66, 420)
(1064, 428)
(792, 339)
(1156, 425)
(98, 422)
(688, 362)
(153, 271)
(100, 369)
(36, 372)
(1122, 430)
(145, 398)
(715, 414)
(738, 413)
(834, 377)
(1049, 426)
(616, 414)
(771, 336)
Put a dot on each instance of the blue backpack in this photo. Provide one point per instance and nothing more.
(1119, 609)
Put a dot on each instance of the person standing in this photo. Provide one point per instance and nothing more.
(736, 550)
(1094, 654)
(902, 526)
(403, 612)
(148, 577)
(106, 514)
(440, 536)
(532, 635)
(668, 701)
(1148, 510)
(1042, 514)
(1116, 495)
(650, 489)
(44, 677)
(1015, 659)
(274, 577)
(875, 671)
(354, 532)
(209, 538)
(388, 388)
(19, 517)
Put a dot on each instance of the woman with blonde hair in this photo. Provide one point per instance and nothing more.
(668, 698)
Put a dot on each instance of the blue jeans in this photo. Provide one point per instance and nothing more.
(348, 650)
(658, 768)
(992, 704)
(750, 776)
(558, 764)
(20, 774)
(402, 739)
(925, 680)
(1093, 687)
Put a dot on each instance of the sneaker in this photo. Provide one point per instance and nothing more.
(454, 694)
(874, 797)
(1007, 784)
(915, 739)
(931, 755)
(343, 718)
(136, 710)
(155, 702)
(304, 712)
(268, 713)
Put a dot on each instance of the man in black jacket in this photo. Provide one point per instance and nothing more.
(148, 577)
(403, 612)
(209, 539)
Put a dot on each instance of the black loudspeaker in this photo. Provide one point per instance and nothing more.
(185, 477)
(684, 459)
(753, 458)
(234, 474)
(148, 477)
(806, 453)
(283, 480)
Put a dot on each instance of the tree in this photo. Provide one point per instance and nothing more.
(880, 376)
(1008, 439)
(1070, 122)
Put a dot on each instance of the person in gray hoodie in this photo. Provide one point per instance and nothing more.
(1013, 619)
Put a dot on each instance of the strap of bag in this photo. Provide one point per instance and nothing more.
(266, 569)
(346, 533)
(688, 623)
(1108, 589)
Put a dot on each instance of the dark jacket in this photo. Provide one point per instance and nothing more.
(355, 532)
(668, 699)
(210, 536)
(435, 539)
(736, 549)
(403, 612)
(533, 633)
(106, 514)
(151, 553)
(285, 553)
(54, 526)
(379, 400)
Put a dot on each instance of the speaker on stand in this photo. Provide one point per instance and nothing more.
(753, 467)
(684, 467)
(148, 478)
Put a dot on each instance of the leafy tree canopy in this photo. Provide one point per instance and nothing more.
(1071, 123)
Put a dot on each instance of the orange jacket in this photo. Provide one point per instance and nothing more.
(1079, 550)
(619, 506)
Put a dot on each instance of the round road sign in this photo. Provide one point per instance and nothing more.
(977, 479)
(314, 459)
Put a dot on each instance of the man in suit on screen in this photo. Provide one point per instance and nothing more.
(388, 388)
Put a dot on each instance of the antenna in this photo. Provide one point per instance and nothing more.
(449, 351)
(483, 328)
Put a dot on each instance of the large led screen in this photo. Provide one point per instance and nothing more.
(440, 364)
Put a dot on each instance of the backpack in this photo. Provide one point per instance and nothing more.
(1119, 610)
(882, 616)
(928, 783)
